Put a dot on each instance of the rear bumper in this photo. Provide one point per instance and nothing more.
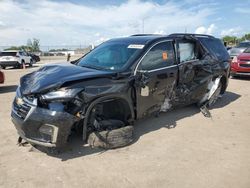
(29, 126)
(9, 63)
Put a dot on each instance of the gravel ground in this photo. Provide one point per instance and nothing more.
(196, 152)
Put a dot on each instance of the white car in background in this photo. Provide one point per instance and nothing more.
(15, 58)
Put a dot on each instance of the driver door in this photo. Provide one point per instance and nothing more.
(157, 76)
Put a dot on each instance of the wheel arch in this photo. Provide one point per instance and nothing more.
(124, 100)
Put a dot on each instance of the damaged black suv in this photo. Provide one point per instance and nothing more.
(120, 81)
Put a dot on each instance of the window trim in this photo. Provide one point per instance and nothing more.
(162, 68)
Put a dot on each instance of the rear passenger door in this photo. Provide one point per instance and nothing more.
(194, 71)
(157, 71)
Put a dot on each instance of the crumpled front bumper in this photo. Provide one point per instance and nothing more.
(30, 121)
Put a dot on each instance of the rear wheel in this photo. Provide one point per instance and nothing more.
(31, 63)
(22, 65)
(3, 67)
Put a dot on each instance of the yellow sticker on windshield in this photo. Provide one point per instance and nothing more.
(164, 55)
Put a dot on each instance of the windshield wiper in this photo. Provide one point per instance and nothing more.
(93, 67)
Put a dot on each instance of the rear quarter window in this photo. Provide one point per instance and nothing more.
(216, 47)
(7, 53)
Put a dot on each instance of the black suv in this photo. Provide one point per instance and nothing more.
(120, 81)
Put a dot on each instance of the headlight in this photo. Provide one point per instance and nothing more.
(235, 59)
(61, 95)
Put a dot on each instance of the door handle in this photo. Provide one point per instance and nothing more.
(171, 74)
(162, 76)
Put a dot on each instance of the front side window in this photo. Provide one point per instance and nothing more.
(161, 55)
(186, 51)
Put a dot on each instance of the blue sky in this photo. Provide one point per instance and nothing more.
(75, 22)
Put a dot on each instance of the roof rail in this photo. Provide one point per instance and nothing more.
(190, 34)
(137, 35)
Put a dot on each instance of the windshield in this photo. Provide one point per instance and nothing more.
(244, 45)
(111, 56)
(7, 53)
(247, 50)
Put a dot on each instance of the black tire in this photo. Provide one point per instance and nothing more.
(112, 139)
(3, 67)
(31, 63)
(21, 65)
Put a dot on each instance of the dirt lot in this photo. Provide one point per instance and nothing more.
(198, 152)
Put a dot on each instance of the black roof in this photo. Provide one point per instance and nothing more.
(146, 38)
(138, 39)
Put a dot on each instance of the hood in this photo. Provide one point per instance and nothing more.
(54, 75)
(244, 56)
(236, 51)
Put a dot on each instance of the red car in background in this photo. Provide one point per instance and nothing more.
(240, 65)
(1, 77)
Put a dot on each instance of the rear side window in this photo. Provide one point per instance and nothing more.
(7, 53)
(216, 47)
(186, 51)
(161, 55)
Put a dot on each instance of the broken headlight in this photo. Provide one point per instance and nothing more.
(61, 95)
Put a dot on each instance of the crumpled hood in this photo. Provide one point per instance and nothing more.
(54, 75)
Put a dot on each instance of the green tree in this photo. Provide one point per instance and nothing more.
(33, 45)
(13, 48)
(230, 40)
(246, 37)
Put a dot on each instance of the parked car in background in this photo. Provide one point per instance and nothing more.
(235, 51)
(118, 82)
(34, 57)
(2, 77)
(15, 58)
(240, 65)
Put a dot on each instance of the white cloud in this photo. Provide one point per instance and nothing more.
(97, 34)
(160, 32)
(237, 31)
(101, 40)
(203, 30)
(56, 23)
(2, 24)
